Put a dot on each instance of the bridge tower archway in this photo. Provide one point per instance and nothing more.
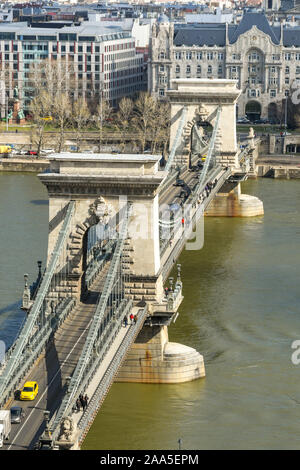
(201, 98)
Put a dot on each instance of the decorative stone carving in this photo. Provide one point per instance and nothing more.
(202, 112)
(66, 429)
(251, 133)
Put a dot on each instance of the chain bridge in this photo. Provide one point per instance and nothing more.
(117, 223)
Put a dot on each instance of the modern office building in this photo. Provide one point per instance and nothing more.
(104, 59)
(263, 58)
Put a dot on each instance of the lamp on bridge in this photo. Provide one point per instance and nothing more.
(178, 273)
(171, 279)
(26, 303)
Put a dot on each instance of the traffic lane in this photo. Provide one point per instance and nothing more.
(47, 373)
(50, 374)
(23, 433)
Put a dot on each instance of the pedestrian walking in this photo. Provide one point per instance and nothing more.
(78, 405)
(125, 321)
(81, 401)
(135, 318)
(86, 399)
(131, 318)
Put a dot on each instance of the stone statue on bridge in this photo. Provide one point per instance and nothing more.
(68, 434)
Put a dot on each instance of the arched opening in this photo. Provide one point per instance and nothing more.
(200, 133)
(94, 251)
(253, 110)
(273, 112)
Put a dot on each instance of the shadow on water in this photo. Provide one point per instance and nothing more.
(40, 202)
(10, 307)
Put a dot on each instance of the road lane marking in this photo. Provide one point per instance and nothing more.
(53, 378)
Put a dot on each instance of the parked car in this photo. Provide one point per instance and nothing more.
(243, 120)
(31, 152)
(47, 151)
(16, 414)
(261, 121)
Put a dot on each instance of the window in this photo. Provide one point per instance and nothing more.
(286, 80)
(272, 93)
(210, 55)
(273, 69)
(287, 70)
(198, 69)
(178, 55)
(297, 56)
(188, 69)
(287, 56)
(188, 56)
(199, 55)
(177, 69)
(220, 56)
(297, 69)
(209, 69)
(286, 92)
(220, 69)
(162, 55)
(161, 92)
(161, 68)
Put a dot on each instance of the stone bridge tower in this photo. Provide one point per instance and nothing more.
(101, 184)
(201, 98)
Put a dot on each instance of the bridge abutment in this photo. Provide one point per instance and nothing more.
(235, 204)
(153, 359)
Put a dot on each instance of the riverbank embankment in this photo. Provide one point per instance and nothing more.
(24, 164)
(278, 166)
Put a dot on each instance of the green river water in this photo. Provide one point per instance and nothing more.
(240, 310)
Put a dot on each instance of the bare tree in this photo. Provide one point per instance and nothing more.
(144, 116)
(103, 112)
(53, 76)
(123, 118)
(40, 110)
(61, 112)
(80, 117)
(161, 127)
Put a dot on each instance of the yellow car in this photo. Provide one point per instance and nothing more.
(29, 391)
(203, 158)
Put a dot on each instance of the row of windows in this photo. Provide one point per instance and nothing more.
(254, 56)
(188, 69)
(199, 55)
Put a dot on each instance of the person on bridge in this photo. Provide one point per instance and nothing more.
(78, 406)
(125, 321)
(131, 318)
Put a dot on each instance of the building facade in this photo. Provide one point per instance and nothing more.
(264, 59)
(104, 59)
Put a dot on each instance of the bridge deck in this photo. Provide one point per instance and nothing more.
(53, 368)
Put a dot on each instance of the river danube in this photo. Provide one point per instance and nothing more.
(240, 310)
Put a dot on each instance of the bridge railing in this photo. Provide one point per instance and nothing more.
(44, 316)
(107, 379)
(197, 204)
(109, 313)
